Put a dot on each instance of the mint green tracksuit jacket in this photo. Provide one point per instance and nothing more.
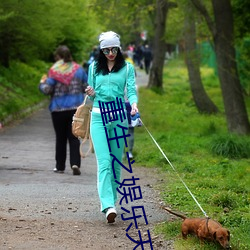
(108, 88)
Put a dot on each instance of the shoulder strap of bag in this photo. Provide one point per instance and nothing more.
(93, 73)
(87, 137)
(85, 99)
(126, 83)
(91, 148)
(127, 74)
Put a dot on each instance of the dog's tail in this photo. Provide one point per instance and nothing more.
(175, 213)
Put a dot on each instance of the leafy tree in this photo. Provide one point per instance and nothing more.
(242, 33)
(156, 72)
(221, 28)
(28, 33)
(126, 17)
(241, 18)
(22, 35)
(78, 29)
(175, 24)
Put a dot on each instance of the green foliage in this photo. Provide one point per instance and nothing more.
(224, 200)
(170, 230)
(176, 18)
(219, 183)
(175, 25)
(243, 59)
(29, 33)
(241, 17)
(128, 18)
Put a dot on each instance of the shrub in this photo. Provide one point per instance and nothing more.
(231, 146)
(223, 200)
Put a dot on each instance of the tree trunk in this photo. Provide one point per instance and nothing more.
(223, 38)
(235, 109)
(201, 99)
(159, 47)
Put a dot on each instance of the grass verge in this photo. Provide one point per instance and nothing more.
(19, 89)
(214, 164)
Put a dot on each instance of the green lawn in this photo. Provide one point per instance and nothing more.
(214, 164)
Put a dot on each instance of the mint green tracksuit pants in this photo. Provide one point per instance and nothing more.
(106, 184)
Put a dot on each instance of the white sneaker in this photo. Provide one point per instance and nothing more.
(130, 155)
(111, 214)
(58, 171)
(76, 170)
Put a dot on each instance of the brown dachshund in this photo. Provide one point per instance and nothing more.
(204, 229)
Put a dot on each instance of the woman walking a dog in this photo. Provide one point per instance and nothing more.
(108, 77)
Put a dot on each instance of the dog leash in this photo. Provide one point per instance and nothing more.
(174, 170)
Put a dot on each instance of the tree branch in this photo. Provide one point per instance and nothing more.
(172, 5)
(202, 9)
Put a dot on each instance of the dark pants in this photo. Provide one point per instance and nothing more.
(62, 122)
(131, 139)
(147, 65)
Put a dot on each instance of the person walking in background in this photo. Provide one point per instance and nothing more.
(92, 57)
(65, 83)
(147, 54)
(127, 57)
(138, 52)
(108, 78)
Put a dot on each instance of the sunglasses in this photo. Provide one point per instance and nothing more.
(106, 51)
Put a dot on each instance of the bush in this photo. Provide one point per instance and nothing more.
(231, 146)
(19, 88)
(224, 200)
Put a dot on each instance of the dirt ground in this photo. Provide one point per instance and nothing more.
(40, 209)
(34, 218)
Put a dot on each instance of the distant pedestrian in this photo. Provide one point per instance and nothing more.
(147, 54)
(65, 84)
(138, 56)
(107, 82)
(93, 55)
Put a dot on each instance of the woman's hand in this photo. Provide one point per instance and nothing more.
(134, 109)
(90, 91)
(43, 79)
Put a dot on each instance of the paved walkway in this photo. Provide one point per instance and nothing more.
(141, 78)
